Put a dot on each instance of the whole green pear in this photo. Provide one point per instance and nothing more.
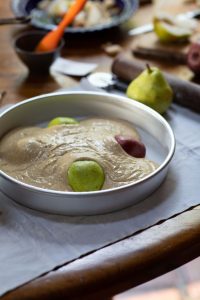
(151, 88)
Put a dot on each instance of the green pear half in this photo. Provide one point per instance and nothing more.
(85, 176)
(171, 29)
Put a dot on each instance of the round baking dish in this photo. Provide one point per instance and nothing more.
(155, 132)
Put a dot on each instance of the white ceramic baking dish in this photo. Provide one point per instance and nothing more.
(155, 132)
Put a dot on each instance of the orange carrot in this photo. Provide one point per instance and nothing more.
(51, 39)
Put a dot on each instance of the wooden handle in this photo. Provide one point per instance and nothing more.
(185, 93)
(160, 55)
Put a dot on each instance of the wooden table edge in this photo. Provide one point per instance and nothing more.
(122, 265)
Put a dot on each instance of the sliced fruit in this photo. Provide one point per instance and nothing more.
(171, 29)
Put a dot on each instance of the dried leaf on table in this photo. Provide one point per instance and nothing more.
(112, 49)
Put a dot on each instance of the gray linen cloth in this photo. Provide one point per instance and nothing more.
(32, 243)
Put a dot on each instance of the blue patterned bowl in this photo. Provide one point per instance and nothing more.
(40, 20)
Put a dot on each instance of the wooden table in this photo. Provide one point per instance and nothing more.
(126, 263)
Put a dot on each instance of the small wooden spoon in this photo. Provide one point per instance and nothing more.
(51, 40)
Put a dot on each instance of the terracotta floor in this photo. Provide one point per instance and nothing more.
(180, 284)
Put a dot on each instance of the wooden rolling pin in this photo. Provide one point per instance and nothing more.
(185, 93)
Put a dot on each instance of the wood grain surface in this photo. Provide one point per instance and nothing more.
(125, 263)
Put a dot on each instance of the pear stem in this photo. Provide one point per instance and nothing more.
(148, 68)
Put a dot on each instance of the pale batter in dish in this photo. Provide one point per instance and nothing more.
(41, 156)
